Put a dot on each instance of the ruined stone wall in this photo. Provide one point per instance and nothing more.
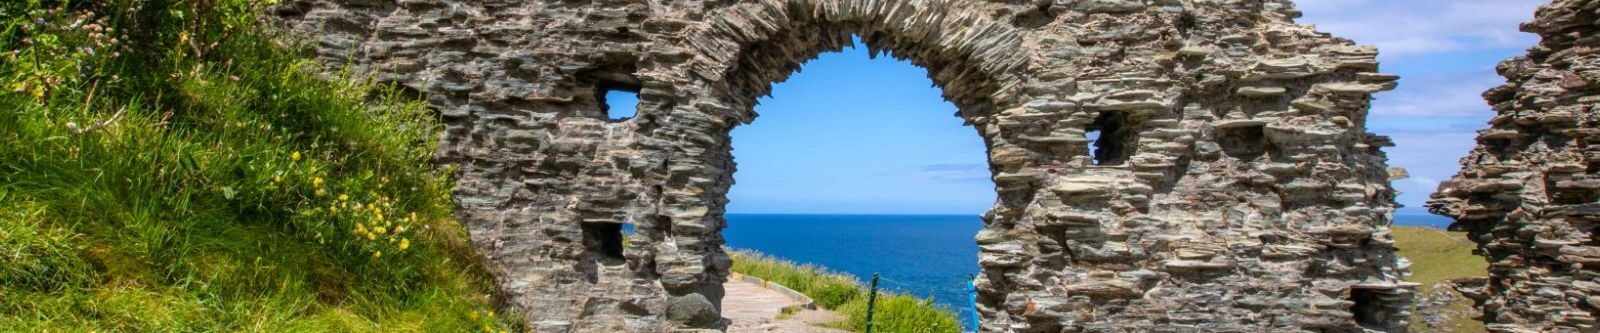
(1529, 193)
(1235, 188)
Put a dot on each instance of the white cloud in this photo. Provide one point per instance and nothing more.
(1439, 94)
(1430, 157)
(1402, 28)
(1445, 51)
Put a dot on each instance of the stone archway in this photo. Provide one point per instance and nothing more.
(1238, 188)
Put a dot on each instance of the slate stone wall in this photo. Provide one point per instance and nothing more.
(1235, 187)
(1529, 193)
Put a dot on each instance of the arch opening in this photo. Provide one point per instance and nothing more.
(966, 72)
(877, 151)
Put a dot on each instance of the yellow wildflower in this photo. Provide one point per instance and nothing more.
(277, 179)
(377, 254)
(381, 230)
(344, 197)
(316, 181)
(322, 192)
(399, 229)
(474, 315)
(405, 243)
(295, 156)
(372, 237)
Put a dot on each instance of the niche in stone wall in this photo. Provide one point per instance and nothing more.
(1369, 309)
(1111, 138)
(1571, 191)
(616, 90)
(1244, 141)
(604, 238)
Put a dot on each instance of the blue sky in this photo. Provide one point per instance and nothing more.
(1445, 52)
(849, 134)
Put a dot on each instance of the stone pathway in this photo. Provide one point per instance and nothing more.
(753, 308)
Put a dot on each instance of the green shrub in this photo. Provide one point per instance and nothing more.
(166, 166)
(893, 312)
(900, 314)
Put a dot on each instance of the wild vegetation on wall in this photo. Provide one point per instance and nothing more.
(168, 166)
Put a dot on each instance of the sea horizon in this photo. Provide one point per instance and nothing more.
(1405, 219)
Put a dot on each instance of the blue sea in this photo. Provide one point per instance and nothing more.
(924, 255)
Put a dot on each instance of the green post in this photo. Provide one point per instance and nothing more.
(872, 298)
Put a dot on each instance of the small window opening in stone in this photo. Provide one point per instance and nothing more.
(1368, 308)
(1243, 142)
(603, 237)
(1108, 138)
(620, 104)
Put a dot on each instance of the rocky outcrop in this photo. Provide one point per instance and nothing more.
(1233, 186)
(1528, 193)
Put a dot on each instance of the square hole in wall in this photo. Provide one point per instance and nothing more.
(604, 238)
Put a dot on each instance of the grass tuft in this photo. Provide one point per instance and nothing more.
(894, 312)
(1439, 256)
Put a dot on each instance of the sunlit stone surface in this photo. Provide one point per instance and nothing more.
(1528, 193)
(1234, 187)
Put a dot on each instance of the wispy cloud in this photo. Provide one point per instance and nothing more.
(1418, 27)
(1441, 94)
(954, 172)
(1445, 51)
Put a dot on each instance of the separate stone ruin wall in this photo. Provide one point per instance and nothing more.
(1236, 187)
(1529, 193)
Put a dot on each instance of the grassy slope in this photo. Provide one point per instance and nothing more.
(165, 167)
(894, 313)
(1437, 256)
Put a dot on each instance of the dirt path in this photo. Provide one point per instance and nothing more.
(754, 308)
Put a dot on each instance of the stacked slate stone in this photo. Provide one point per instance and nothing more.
(1233, 186)
(1528, 192)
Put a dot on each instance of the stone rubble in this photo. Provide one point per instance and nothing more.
(1234, 186)
(1529, 193)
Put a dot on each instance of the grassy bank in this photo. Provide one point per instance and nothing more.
(1439, 256)
(843, 294)
(165, 166)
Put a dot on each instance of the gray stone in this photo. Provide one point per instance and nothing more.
(1204, 210)
(1527, 192)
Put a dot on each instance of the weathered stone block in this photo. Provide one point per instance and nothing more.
(1191, 200)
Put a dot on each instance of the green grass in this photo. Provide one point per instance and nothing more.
(893, 313)
(164, 166)
(1438, 256)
